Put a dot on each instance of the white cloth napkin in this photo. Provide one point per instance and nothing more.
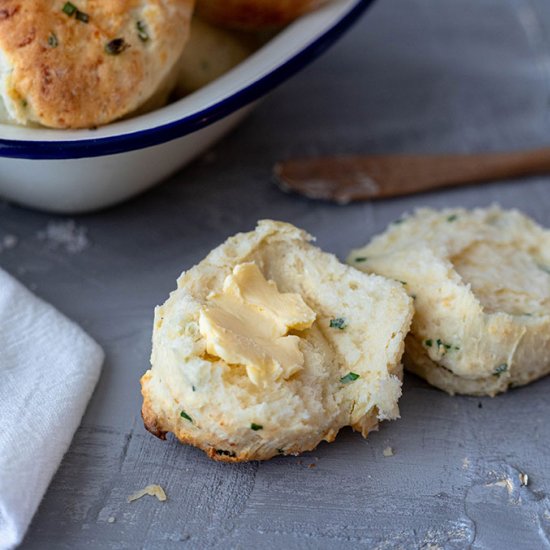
(48, 370)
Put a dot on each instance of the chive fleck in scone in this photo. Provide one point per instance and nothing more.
(270, 346)
(85, 63)
(481, 284)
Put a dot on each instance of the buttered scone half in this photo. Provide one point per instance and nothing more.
(270, 346)
(254, 14)
(481, 286)
(85, 63)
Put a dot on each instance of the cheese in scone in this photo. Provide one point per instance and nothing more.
(270, 346)
(481, 284)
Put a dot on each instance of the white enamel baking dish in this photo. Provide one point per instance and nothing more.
(74, 171)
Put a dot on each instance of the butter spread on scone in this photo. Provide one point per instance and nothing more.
(86, 63)
(481, 283)
(270, 346)
(248, 324)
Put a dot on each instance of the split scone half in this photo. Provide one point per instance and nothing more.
(480, 281)
(270, 346)
(85, 63)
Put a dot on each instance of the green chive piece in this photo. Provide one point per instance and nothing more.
(183, 414)
(360, 259)
(69, 8)
(350, 377)
(116, 46)
(452, 218)
(53, 42)
(256, 427)
(280, 451)
(339, 323)
(429, 343)
(403, 282)
(193, 388)
(81, 16)
(440, 344)
(397, 222)
(142, 31)
(500, 369)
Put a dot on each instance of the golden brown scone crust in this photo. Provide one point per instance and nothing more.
(254, 14)
(55, 69)
(224, 450)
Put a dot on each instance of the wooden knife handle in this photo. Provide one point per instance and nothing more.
(364, 177)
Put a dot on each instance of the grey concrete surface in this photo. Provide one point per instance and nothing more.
(415, 76)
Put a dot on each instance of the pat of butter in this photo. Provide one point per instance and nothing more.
(248, 324)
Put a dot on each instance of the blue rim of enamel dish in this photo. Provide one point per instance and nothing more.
(85, 148)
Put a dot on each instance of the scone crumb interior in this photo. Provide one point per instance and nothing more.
(480, 280)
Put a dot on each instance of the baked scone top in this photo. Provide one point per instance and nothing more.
(85, 63)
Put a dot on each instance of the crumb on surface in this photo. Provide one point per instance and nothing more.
(111, 519)
(9, 241)
(152, 490)
(465, 463)
(388, 451)
(66, 235)
(523, 479)
(312, 465)
(506, 483)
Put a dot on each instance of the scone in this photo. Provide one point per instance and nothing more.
(254, 14)
(85, 63)
(4, 117)
(480, 281)
(209, 54)
(270, 346)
